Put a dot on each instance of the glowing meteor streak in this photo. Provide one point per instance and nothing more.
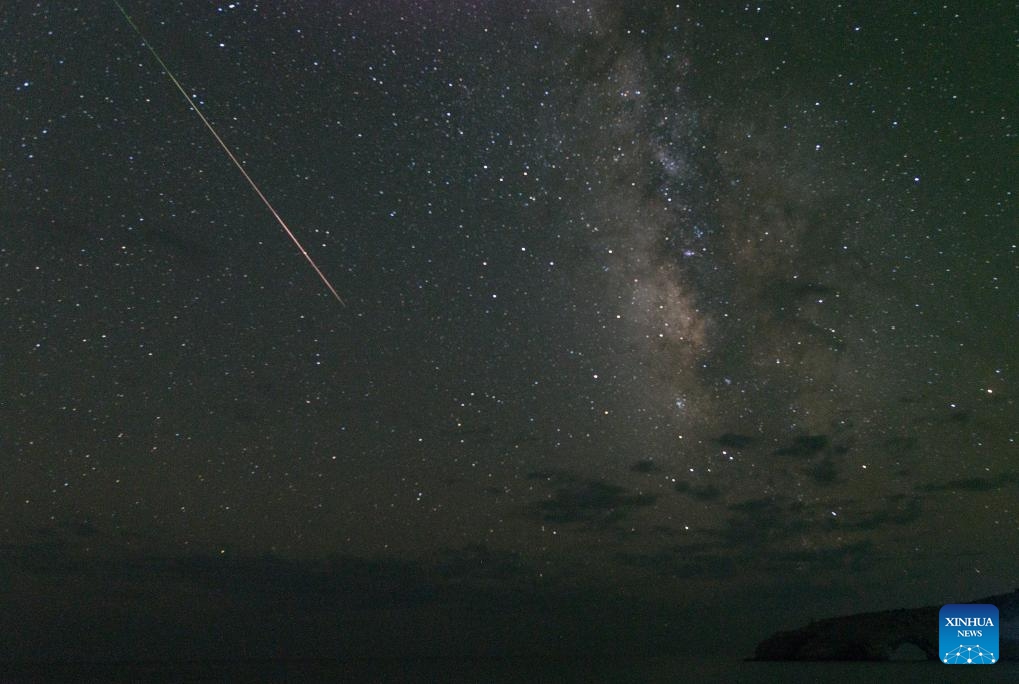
(233, 158)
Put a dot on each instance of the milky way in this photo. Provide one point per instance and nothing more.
(727, 249)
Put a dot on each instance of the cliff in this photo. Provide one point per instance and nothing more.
(876, 636)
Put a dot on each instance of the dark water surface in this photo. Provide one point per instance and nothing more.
(509, 670)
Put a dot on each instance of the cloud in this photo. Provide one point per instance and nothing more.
(735, 441)
(824, 472)
(645, 466)
(763, 522)
(804, 446)
(971, 484)
(592, 502)
(898, 510)
(708, 492)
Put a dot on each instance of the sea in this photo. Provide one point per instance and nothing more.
(510, 670)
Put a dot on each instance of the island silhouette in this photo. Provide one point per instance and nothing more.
(878, 636)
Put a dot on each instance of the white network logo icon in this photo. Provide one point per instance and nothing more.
(968, 655)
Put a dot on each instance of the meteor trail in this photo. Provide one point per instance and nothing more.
(233, 158)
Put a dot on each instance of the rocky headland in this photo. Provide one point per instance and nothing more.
(879, 635)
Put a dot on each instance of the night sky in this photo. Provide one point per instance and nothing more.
(666, 326)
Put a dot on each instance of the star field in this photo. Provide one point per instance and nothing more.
(685, 306)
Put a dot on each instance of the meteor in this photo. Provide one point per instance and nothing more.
(233, 158)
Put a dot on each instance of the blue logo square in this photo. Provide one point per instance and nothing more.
(968, 634)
